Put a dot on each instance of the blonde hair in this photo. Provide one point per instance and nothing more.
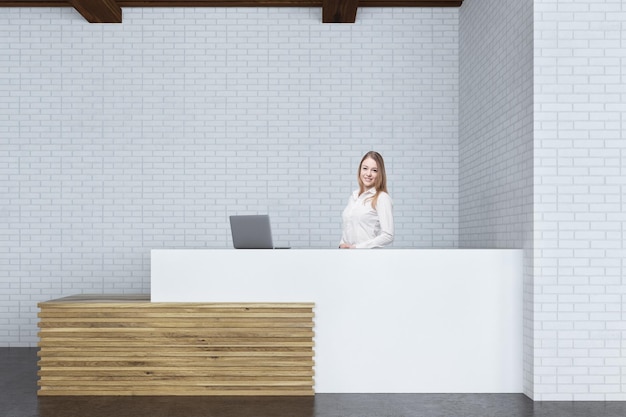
(380, 184)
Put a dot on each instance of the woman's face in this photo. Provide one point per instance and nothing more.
(368, 173)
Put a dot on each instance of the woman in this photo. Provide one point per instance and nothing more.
(368, 217)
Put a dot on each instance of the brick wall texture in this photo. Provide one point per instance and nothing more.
(579, 199)
(496, 137)
(502, 125)
(117, 139)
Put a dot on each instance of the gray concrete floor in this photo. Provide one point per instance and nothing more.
(18, 398)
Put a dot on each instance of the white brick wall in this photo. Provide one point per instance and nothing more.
(118, 138)
(580, 184)
(574, 289)
(495, 123)
(115, 139)
(496, 137)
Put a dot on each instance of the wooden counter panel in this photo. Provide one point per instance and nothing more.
(126, 345)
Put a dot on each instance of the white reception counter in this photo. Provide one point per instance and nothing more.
(386, 321)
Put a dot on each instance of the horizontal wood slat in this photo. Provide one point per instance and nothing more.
(126, 345)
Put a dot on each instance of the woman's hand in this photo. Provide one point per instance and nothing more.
(346, 246)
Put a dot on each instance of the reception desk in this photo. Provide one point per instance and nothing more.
(386, 321)
(115, 345)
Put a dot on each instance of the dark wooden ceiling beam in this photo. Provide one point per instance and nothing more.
(35, 3)
(220, 3)
(283, 3)
(339, 11)
(333, 11)
(99, 11)
(230, 3)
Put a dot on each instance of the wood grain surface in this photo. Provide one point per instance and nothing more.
(126, 345)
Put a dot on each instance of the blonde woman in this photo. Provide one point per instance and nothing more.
(368, 217)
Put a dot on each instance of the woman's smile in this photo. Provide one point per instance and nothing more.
(369, 172)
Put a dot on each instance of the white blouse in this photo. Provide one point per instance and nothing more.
(364, 226)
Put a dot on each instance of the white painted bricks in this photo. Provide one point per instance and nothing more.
(117, 139)
(579, 179)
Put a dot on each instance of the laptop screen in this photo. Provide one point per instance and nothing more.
(251, 231)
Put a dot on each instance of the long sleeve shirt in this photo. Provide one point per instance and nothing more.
(364, 226)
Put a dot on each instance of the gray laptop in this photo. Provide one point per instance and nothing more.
(251, 231)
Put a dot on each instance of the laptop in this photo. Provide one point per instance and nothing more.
(251, 231)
